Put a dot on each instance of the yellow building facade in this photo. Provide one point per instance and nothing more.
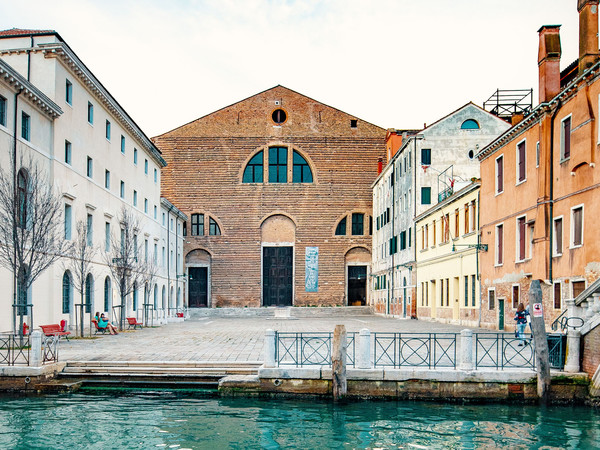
(447, 256)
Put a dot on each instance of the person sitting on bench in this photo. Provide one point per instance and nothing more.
(104, 323)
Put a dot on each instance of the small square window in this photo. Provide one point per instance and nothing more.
(425, 196)
(425, 156)
(353, 123)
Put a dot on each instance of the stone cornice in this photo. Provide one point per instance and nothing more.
(62, 51)
(11, 77)
(588, 77)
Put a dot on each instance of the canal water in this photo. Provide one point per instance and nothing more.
(155, 420)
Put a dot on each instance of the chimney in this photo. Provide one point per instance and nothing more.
(549, 62)
(588, 33)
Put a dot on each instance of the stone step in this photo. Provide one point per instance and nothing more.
(159, 370)
(169, 364)
(283, 312)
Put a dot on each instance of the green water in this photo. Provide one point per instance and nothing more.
(166, 420)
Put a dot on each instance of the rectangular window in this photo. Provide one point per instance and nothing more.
(499, 174)
(90, 167)
(466, 290)
(123, 144)
(358, 224)
(577, 226)
(473, 300)
(466, 218)
(163, 260)
(515, 296)
(565, 138)
(68, 222)
(425, 196)
(499, 244)
(278, 165)
(456, 223)
(122, 190)
(146, 250)
(164, 222)
(25, 126)
(146, 205)
(402, 240)
(107, 179)
(135, 156)
(426, 236)
(68, 92)
(107, 236)
(155, 212)
(155, 175)
(146, 166)
(155, 253)
(425, 156)
(446, 227)
(3, 111)
(90, 112)
(197, 224)
(521, 238)
(521, 162)
(90, 230)
(558, 236)
(134, 198)
(557, 296)
(578, 287)
(67, 152)
(473, 216)
(433, 231)
(491, 299)
(537, 154)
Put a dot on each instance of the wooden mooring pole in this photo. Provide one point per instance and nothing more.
(338, 363)
(538, 329)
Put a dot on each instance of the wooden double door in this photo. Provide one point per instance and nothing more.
(198, 287)
(277, 276)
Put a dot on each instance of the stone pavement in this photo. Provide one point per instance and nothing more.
(238, 339)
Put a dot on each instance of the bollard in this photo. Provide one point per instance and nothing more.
(36, 349)
(363, 358)
(270, 348)
(573, 346)
(338, 363)
(466, 350)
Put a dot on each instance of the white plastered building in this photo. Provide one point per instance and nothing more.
(99, 161)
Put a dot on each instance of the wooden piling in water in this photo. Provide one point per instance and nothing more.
(338, 363)
(538, 329)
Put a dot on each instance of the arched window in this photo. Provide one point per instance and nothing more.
(302, 172)
(66, 293)
(89, 291)
(164, 298)
(135, 296)
(155, 296)
(107, 294)
(213, 227)
(469, 124)
(340, 230)
(22, 198)
(197, 224)
(253, 173)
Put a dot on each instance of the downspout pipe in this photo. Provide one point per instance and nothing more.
(14, 218)
(551, 199)
(477, 254)
(29, 60)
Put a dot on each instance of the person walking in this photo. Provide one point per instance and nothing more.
(521, 318)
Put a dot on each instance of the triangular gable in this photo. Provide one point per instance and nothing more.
(475, 111)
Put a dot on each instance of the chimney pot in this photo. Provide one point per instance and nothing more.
(549, 62)
(588, 34)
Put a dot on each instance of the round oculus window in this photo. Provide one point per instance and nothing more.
(279, 116)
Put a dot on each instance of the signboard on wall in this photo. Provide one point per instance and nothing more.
(311, 281)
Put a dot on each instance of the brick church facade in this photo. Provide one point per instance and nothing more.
(277, 189)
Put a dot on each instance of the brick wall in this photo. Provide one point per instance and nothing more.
(206, 160)
(591, 355)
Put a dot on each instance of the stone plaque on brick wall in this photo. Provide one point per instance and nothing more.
(311, 283)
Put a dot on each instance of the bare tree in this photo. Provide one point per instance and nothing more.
(30, 228)
(151, 271)
(127, 269)
(81, 254)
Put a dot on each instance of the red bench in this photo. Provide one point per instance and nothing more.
(54, 330)
(132, 322)
(98, 329)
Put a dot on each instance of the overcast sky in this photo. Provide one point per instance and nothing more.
(394, 63)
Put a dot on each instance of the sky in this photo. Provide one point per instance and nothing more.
(394, 63)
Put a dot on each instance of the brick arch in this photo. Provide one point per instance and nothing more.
(357, 253)
(278, 213)
(198, 256)
(278, 228)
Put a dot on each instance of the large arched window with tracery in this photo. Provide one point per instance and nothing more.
(254, 170)
(278, 160)
(302, 172)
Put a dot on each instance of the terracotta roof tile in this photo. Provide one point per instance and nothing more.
(23, 32)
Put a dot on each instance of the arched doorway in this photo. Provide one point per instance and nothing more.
(198, 266)
(358, 261)
(278, 235)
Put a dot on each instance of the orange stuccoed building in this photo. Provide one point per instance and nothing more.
(540, 189)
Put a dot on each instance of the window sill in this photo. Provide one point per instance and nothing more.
(521, 182)
(498, 265)
(557, 255)
(498, 193)
(564, 160)
(444, 243)
(573, 247)
(470, 233)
